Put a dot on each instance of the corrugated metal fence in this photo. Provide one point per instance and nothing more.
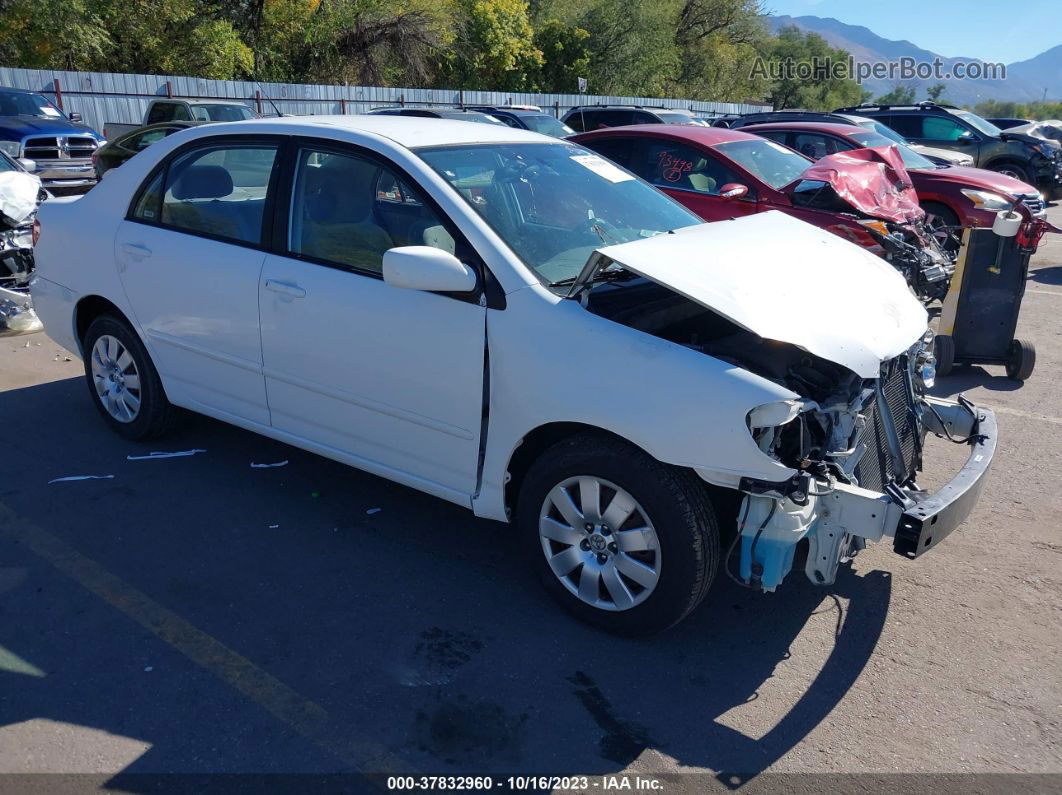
(102, 97)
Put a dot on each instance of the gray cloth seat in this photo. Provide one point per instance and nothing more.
(337, 214)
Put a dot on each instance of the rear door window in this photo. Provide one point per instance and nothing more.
(219, 191)
(817, 145)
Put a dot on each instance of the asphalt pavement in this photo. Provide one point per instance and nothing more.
(199, 615)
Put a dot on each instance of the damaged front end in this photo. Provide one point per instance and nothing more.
(857, 454)
(20, 196)
(855, 357)
(873, 186)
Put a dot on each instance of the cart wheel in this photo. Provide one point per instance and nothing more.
(1021, 360)
(944, 353)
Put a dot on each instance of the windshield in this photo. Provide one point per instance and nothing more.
(771, 162)
(221, 112)
(674, 118)
(979, 124)
(911, 158)
(547, 125)
(28, 105)
(7, 164)
(553, 204)
(881, 129)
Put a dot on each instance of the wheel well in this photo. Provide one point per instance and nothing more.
(91, 307)
(1007, 161)
(941, 204)
(543, 437)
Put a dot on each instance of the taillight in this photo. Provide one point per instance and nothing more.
(36, 231)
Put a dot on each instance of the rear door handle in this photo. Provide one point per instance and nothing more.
(285, 288)
(136, 251)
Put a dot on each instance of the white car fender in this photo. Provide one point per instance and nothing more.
(680, 406)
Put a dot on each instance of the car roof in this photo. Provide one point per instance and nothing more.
(407, 131)
(705, 136)
(11, 90)
(811, 126)
(649, 108)
(505, 109)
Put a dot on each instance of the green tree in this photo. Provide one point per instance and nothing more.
(718, 43)
(900, 95)
(565, 56)
(632, 47)
(935, 92)
(822, 89)
(495, 46)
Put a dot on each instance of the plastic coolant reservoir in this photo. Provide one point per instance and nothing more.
(778, 539)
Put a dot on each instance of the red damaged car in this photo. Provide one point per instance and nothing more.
(952, 196)
(865, 196)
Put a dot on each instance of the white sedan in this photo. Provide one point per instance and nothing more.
(519, 326)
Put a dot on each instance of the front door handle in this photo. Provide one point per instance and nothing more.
(136, 251)
(285, 288)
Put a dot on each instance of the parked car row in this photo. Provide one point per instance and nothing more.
(647, 397)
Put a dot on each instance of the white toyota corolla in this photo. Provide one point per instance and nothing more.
(514, 324)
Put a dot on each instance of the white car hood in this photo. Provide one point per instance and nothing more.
(786, 280)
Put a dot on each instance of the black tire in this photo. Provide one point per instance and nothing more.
(677, 504)
(943, 217)
(1015, 170)
(944, 353)
(1021, 360)
(156, 414)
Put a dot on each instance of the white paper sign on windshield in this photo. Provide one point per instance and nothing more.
(47, 111)
(602, 168)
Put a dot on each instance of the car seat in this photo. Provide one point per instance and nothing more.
(338, 223)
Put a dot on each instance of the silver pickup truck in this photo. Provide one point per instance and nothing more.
(175, 109)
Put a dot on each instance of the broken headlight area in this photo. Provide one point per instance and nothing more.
(857, 453)
(915, 253)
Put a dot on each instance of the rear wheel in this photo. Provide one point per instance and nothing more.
(123, 382)
(623, 542)
(1021, 360)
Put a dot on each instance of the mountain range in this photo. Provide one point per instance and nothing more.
(1027, 80)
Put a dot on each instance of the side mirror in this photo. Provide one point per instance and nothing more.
(733, 190)
(427, 268)
(965, 138)
(74, 116)
(29, 165)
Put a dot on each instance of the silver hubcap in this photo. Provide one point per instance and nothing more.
(599, 543)
(116, 379)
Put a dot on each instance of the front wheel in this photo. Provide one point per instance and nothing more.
(623, 542)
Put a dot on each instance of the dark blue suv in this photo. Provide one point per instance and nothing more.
(526, 117)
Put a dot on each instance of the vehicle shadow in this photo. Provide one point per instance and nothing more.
(964, 378)
(1051, 275)
(417, 628)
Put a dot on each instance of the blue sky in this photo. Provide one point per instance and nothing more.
(984, 29)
